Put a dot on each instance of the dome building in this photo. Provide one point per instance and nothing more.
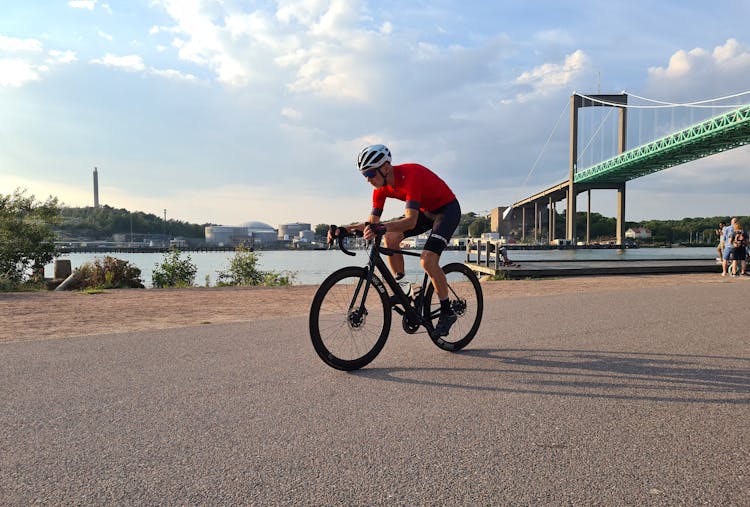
(262, 233)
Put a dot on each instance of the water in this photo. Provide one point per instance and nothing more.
(313, 266)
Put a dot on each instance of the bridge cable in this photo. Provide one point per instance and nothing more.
(601, 124)
(664, 105)
(538, 158)
(554, 129)
(686, 104)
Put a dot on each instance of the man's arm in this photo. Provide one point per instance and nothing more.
(401, 225)
(404, 224)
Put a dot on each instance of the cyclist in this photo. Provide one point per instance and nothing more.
(430, 206)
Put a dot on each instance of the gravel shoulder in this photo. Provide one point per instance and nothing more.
(49, 315)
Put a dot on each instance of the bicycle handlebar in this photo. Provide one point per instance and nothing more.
(339, 233)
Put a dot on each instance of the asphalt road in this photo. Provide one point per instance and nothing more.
(631, 397)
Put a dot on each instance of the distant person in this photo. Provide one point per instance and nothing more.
(504, 252)
(720, 235)
(728, 253)
(739, 242)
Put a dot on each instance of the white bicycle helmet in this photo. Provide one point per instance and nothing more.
(373, 157)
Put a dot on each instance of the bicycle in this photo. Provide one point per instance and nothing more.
(350, 322)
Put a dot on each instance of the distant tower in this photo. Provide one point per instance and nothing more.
(96, 188)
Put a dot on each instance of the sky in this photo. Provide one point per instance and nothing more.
(228, 111)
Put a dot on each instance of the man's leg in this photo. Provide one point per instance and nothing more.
(431, 264)
(396, 262)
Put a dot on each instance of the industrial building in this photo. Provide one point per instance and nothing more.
(287, 232)
(251, 234)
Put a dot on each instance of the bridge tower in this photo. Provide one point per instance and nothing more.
(577, 102)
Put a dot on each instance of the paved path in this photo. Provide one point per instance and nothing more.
(637, 396)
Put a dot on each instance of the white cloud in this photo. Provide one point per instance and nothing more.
(30, 62)
(16, 73)
(710, 73)
(106, 8)
(11, 44)
(291, 113)
(105, 35)
(173, 74)
(551, 77)
(134, 63)
(128, 62)
(61, 56)
(83, 4)
(163, 29)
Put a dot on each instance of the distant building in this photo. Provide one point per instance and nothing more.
(287, 232)
(249, 234)
(262, 233)
(638, 233)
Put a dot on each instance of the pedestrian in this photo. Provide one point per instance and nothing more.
(720, 235)
(728, 247)
(739, 242)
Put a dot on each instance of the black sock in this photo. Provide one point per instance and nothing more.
(399, 276)
(445, 305)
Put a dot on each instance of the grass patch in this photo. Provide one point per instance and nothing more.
(92, 290)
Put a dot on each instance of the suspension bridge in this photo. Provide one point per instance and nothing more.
(720, 133)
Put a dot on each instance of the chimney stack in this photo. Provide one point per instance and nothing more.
(96, 188)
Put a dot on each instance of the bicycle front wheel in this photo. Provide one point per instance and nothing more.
(467, 301)
(349, 319)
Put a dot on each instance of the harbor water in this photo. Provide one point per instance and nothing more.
(313, 266)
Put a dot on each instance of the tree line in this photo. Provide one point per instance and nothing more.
(101, 223)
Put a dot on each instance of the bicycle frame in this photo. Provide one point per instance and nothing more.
(409, 310)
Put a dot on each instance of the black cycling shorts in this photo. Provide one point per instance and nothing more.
(443, 222)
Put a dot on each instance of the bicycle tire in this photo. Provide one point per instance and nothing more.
(467, 300)
(347, 339)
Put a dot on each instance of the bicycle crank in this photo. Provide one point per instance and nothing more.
(409, 326)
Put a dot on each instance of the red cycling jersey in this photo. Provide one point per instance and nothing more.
(421, 188)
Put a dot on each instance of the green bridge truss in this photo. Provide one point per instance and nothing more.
(720, 133)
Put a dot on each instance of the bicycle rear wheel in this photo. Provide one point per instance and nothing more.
(467, 301)
(349, 326)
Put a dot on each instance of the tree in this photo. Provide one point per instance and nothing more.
(321, 230)
(479, 226)
(26, 236)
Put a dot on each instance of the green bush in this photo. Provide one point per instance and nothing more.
(174, 271)
(26, 237)
(243, 270)
(106, 273)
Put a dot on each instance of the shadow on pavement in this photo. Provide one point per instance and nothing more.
(585, 373)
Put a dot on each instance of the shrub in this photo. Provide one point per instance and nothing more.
(106, 273)
(174, 271)
(26, 237)
(243, 270)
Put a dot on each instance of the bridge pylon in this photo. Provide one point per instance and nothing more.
(576, 102)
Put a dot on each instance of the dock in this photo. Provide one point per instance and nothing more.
(481, 257)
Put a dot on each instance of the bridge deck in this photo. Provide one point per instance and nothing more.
(720, 133)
